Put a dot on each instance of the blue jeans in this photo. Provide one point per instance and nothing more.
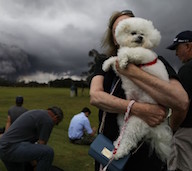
(16, 155)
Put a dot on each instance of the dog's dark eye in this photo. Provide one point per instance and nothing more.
(133, 33)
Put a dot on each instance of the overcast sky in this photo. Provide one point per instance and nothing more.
(60, 33)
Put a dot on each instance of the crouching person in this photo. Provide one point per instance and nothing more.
(25, 141)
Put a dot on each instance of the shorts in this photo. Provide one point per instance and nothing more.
(181, 155)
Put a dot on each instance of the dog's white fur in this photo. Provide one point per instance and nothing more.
(136, 37)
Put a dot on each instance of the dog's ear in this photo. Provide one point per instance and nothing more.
(155, 37)
(153, 34)
(121, 31)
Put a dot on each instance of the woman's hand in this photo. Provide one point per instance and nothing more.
(128, 71)
(153, 115)
(170, 93)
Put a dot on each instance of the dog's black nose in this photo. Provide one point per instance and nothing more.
(139, 39)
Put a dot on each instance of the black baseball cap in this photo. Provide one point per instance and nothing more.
(19, 99)
(183, 37)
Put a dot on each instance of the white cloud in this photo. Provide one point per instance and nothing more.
(43, 77)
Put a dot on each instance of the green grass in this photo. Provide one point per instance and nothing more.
(68, 156)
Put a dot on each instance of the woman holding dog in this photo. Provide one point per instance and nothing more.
(163, 92)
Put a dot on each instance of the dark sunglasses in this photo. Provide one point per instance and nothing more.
(127, 12)
(124, 12)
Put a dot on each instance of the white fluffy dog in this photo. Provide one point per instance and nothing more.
(136, 37)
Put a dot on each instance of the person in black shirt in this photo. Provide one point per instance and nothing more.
(163, 92)
(15, 111)
(25, 140)
(182, 140)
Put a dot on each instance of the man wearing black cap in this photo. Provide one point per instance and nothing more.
(27, 137)
(182, 140)
(15, 111)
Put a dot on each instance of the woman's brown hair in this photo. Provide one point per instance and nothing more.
(107, 41)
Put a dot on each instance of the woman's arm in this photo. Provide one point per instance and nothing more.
(169, 94)
(103, 100)
(151, 114)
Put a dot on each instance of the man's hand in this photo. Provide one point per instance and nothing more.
(34, 164)
(94, 131)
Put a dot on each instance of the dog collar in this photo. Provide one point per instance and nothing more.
(148, 64)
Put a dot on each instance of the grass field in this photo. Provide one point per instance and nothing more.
(68, 156)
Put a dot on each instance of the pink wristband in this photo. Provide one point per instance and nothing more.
(128, 109)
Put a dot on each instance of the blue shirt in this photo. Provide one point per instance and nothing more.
(79, 123)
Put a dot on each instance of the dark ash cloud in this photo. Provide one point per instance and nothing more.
(14, 62)
(57, 35)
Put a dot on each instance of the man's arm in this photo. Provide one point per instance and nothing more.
(93, 131)
(8, 123)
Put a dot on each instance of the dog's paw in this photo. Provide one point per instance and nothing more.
(105, 66)
(120, 154)
(117, 156)
(123, 62)
(108, 63)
